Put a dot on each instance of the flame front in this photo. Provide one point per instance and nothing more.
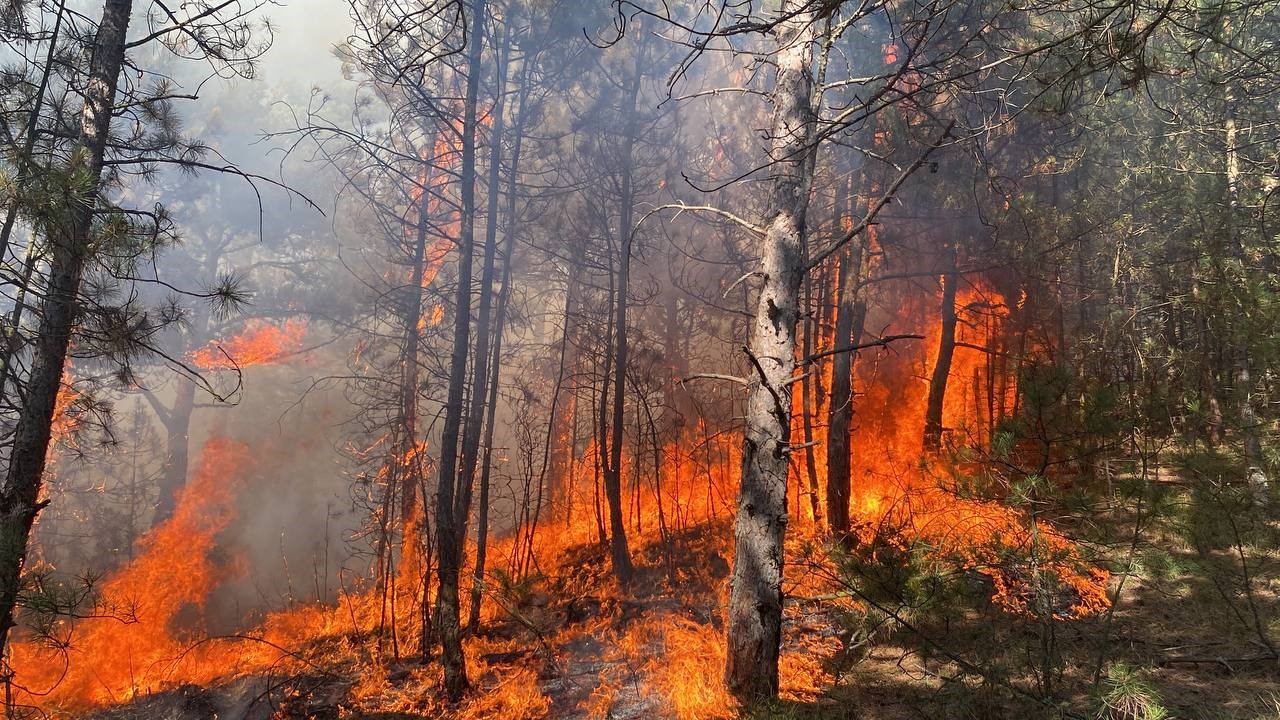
(261, 343)
(134, 641)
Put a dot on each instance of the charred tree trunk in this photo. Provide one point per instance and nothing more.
(809, 403)
(482, 400)
(946, 350)
(177, 457)
(601, 419)
(176, 418)
(72, 245)
(449, 511)
(479, 408)
(500, 317)
(618, 550)
(755, 600)
(849, 314)
(561, 438)
(406, 467)
(410, 367)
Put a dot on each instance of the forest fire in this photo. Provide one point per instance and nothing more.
(901, 499)
(65, 420)
(691, 362)
(261, 343)
(146, 609)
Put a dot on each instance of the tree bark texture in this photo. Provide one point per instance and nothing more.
(755, 600)
(72, 245)
(449, 523)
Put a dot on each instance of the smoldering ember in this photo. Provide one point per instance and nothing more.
(504, 359)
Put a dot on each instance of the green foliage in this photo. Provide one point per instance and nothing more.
(1128, 696)
(48, 600)
(1158, 565)
(908, 577)
(515, 592)
(1220, 511)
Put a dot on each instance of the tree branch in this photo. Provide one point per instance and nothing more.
(816, 259)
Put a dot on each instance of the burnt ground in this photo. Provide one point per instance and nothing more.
(568, 647)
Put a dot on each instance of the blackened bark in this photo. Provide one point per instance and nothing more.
(557, 452)
(809, 406)
(504, 295)
(618, 550)
(449, 523)
(849, 314)
(411, 368)
(479, 408)
(71, 246)
(754, 629)
(946, 350)
(405, 463)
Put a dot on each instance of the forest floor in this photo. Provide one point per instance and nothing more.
(1192, 631)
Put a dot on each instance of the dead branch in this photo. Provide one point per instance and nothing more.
(878, 342)
(817, 258)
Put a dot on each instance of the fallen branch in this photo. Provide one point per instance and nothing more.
(1223, 661)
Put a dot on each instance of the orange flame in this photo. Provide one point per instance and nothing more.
(686, 482)
(260, 344)
(129, 646)
(65, 420)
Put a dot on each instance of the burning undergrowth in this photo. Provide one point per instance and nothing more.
(557, 635)
(144, 610)
(563, 642)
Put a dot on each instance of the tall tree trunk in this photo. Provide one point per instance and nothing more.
(809, 406)
(177, 419)
(561, 440)
(449, 523)
(480, 405)
(1255, 464)
(755, 599)
(410, 365)
(483, 396)
(946, 350)
(601, 417)
(72, 245)
(504, 297)
(849, 313)
(618, 550)
(406, 464)
(177, 428)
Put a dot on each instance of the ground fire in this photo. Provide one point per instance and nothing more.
(494, 359)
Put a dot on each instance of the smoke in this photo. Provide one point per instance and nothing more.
(294, 536)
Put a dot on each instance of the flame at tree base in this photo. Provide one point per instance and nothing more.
(677, 511)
